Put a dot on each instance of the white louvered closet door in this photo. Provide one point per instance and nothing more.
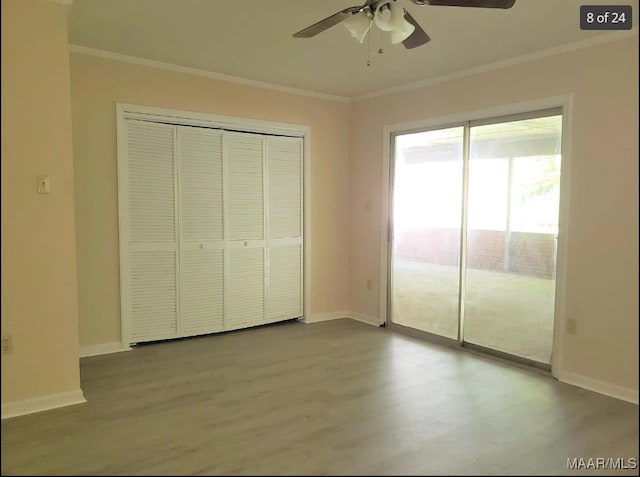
(201, 222)
(284, 218)
(211, 230)
(150, 246)
(244, 184)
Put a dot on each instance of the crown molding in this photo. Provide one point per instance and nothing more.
(109, 55)
(539, 55)
(66, 3)
(558, 50)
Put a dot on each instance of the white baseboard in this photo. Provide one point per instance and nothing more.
(42, 403)
(602, 387)
(336, 315)
(370, 320)
(105, 348)
(332, 315)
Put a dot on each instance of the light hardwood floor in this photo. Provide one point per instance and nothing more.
(337, 397)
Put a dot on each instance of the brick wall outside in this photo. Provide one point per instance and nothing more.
(485, 249)
(440, 246)
(531, 254)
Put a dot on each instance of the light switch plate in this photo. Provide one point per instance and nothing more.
(44, 184)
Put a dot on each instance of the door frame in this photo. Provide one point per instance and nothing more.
(126, 111)
(564, 102)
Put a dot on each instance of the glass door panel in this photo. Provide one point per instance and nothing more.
(426, 218)
(512, 227)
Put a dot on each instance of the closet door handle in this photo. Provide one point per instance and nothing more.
(246, 244)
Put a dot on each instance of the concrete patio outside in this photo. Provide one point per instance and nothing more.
(503, 311)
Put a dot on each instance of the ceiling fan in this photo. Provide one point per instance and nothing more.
(389, 15)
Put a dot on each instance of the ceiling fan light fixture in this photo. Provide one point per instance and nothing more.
(358, 25)
(388, 15)
(402, 32)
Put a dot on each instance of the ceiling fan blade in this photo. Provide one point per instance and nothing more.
(473, 3)
(327, 23)
(418, 37)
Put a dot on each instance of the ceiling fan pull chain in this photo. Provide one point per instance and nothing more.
(368, 50)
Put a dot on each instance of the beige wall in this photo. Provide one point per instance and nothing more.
(97, 84)
(602, 255)
(39, 294)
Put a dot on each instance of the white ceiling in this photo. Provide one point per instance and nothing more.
(252, 39)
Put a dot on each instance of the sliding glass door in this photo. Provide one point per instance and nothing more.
(427, 211)
(475, 224)
(513, 200)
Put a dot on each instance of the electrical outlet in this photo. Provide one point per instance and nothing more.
(369, 284)
(571, 326)
(6, 344)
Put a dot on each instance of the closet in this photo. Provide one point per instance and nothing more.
(211, 226)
